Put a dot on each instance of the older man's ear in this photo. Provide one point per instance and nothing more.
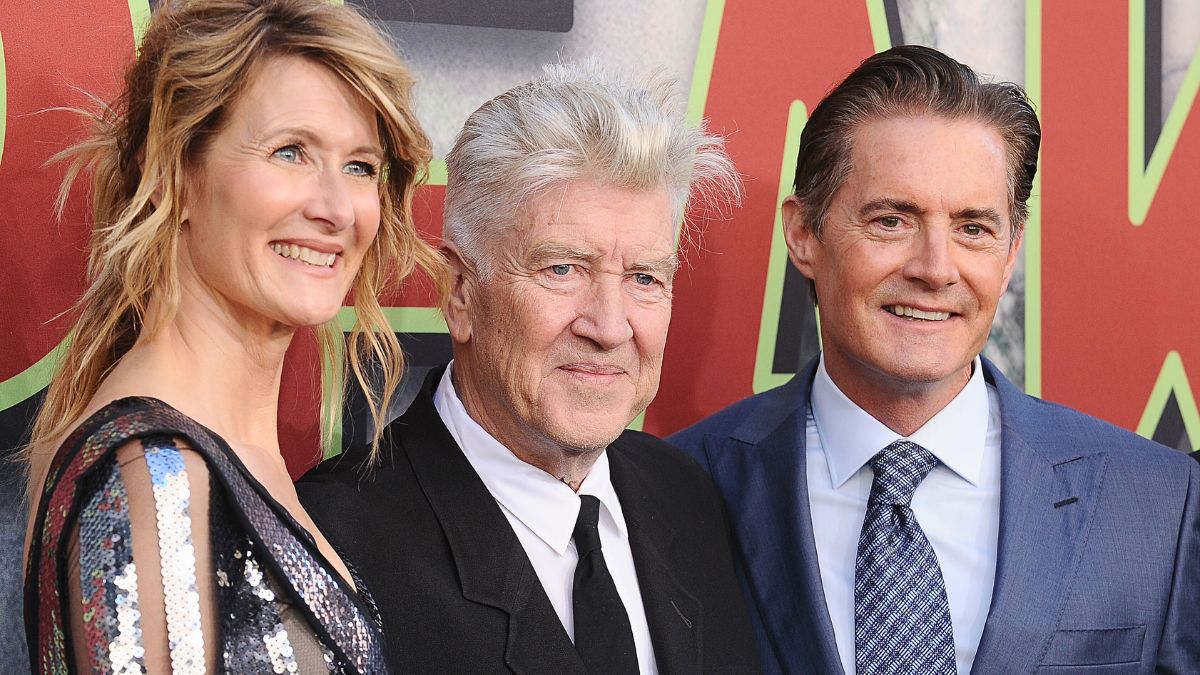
(462, 279)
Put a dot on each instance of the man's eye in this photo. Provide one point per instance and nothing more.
(288, 153)
(643, 279)
(973, 229)
(561, 270)
(890, 222)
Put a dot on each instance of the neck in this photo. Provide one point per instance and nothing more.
(213, 367)
(900, 405)
(568, 465)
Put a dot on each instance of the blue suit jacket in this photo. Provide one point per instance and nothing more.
(1098, 566)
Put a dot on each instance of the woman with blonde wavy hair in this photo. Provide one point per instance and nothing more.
(258, 168)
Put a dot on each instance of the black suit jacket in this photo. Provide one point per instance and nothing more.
(458, 594)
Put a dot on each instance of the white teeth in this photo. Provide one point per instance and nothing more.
(914, 313)
(304, 254)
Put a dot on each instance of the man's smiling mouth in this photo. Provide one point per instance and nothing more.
(914, 313)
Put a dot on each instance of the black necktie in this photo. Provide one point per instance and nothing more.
(603, 636)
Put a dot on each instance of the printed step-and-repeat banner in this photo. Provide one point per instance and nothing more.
(1099, 318)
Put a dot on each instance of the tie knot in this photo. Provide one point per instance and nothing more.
(899, 469)
(587, 532)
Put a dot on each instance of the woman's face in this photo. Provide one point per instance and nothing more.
(285, 202)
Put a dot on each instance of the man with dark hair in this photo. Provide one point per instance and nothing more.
(899, 506)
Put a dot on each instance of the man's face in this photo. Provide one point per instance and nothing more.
(915, 251)
(560, 347)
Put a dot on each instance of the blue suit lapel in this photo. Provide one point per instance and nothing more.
(1049, 484)
(760, 468)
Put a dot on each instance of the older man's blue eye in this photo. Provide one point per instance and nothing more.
(643, 279)
(561, 270)
(288, 153)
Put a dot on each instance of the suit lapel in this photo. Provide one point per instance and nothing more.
(1049, 487)
(492, 565)
(672, 612)
(760, 470)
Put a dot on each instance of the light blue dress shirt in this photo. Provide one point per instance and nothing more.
(957, 505)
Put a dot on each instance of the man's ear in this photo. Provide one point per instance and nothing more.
(458, 300)
(801, 241)
(1014, 251)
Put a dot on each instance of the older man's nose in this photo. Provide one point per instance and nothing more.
(603, 317)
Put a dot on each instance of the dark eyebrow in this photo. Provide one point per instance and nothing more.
(902, 206)
(889, 204)
(990, 215)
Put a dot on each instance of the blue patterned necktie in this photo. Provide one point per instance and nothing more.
(901, 616)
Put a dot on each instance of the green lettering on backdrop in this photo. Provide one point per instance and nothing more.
(1120, 260)
(1145, 177)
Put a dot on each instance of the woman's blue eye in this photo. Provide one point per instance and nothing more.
(643, 279)
(360, 169)
(288, 153)
(561, 270)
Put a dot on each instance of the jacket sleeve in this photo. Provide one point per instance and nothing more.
(1179, 651)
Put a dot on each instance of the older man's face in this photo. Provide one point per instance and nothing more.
(562, 343)
(915, 252)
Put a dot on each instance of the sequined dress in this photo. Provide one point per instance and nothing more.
(280, 607)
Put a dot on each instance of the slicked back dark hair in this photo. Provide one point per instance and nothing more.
(912, 80)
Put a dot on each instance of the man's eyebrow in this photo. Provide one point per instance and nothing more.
(904, 206)
(982, 213)
(890, 204)
(666, 266)
(551, 250)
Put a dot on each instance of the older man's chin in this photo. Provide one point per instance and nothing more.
(583, 433)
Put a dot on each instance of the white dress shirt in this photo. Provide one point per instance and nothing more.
(957, 505)
(542, 511)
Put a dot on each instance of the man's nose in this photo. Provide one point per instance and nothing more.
(931, 259)
(603, 317)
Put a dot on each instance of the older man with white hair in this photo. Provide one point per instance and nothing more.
(513, 524)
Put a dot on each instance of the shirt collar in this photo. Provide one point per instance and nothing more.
(540, 501)
(850, 436)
